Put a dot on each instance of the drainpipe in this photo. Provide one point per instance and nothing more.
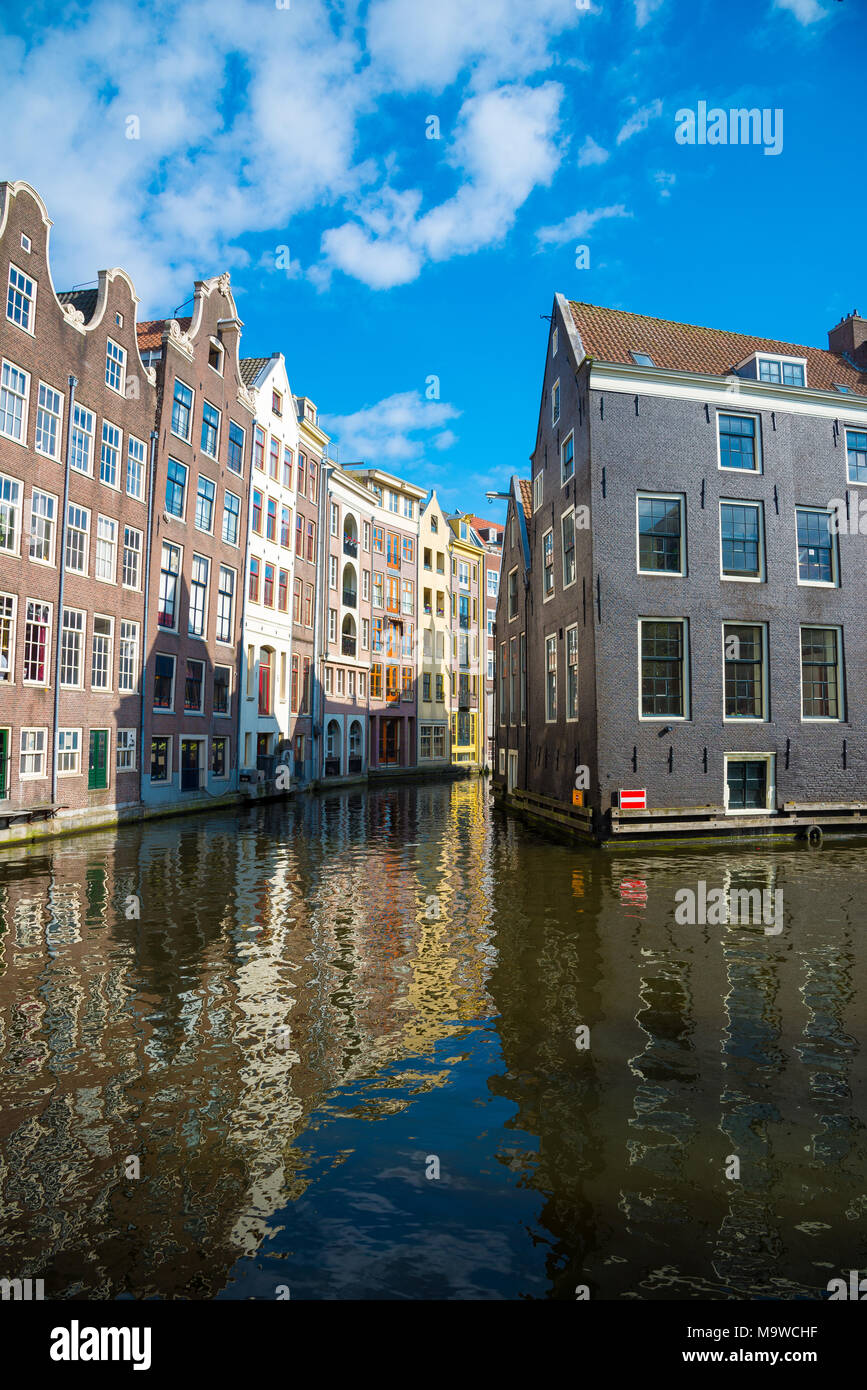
(154, 436)
(72, 382)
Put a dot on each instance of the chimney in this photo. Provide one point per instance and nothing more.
(850, 336)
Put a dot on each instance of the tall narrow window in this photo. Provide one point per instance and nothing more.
(170, 564)
(817, 547)
(567, 526)
(109, 458)
(225, 604)
(741, 536)
(572, 673)
(663, 668)
(820, 673)
(37, 632)
(101, 662)
(128, 656)
(744, 661)
(71, 648)
(49, 409)
(551, 678)
(548, 563)
(660, 534)
(199, 595)
(42, 514)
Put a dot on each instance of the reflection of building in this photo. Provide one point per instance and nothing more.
(312, 445)
(266, 648)
(490, 533)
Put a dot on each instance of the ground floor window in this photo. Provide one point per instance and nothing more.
(749, 782)
(4, 764)
(32, 753)
(192, 764)
(433, 741)
(220, 757)
(160, 759)
(125, 761)
(68, 752)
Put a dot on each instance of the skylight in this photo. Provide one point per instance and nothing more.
(642, 359)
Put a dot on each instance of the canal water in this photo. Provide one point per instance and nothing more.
(392, 1044)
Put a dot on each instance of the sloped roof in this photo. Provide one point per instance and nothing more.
(150, 333)
(251, 367)
(526, 488)
(611, 334)
(83, 300)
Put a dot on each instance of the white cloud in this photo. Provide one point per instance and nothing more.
(805, 11)
(639, 121)
(591, 153)
(504, 147)
(645, 10)
(578, 225)
(665, 182)
(384, 434)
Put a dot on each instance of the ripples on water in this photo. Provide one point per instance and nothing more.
(431, 962)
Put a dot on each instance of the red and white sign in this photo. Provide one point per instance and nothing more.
(633, 800)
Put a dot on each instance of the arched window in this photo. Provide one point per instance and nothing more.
(356, 739)
(332, 749)
(347, 634)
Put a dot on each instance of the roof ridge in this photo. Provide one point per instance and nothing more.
(702, 327)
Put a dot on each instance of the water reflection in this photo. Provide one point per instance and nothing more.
(285, 1016)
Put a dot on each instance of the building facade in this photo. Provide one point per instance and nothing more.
(312, 446)
(343, 669)
(467, 569)
(77, 408)
(393, 700)
(680, 612)
(434, 626)
(490, 533)
(266, 648)
(205, 417)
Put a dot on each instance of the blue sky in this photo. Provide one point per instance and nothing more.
(289, 146)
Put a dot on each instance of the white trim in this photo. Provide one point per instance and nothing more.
(751, 718)
(757, 439)
(835, 551)
(546, 598)
(680, 498)
(706, 389)
(570, 512)
(770, 781)
(840, 717)
(761, 577)
(685, 673)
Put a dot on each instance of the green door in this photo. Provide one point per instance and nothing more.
(4, 764)
(97, 768)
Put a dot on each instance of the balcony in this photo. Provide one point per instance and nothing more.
(348, 645)
(350, 547)
(392, 694)
(350, 598)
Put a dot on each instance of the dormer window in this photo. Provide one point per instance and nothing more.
(215, 355)
(642, 359)
(782, 371)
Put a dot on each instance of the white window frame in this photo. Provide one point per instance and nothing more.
(51, 497)
(538, 494)
(46, 682)
(760, 463)
(101, 540)
(33, 776)
(108, 688)
(75, 753)
(569, 512)
(85, 512)
(118, 448)
(570, 718)
(134, 531)
(25, 408)
(764, 717)
(549, 638)
(547, 597)
(761, 577)
(57, 416)
(9, 675)
(842, 702)
(118, 357)
(87, 432)
(847, 429)
(685, 675)
(82, 648)
(29, 328)
(834, 583)
(126, 741)
(555, 402)
(567, 477)
(135, 639)
(664, 497)
(17, 506)
(770, 781)
(141, 464)
(781, 360)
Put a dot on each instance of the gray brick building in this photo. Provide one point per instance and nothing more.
(686, 568)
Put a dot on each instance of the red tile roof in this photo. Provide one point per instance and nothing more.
(150, 333)
(611, 334)
(479, 522)
(526, 495)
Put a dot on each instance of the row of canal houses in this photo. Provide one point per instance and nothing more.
(196, 600)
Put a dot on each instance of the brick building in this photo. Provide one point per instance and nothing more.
(77, 409)
(195, 601)
(681, 611)
(312, 449)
